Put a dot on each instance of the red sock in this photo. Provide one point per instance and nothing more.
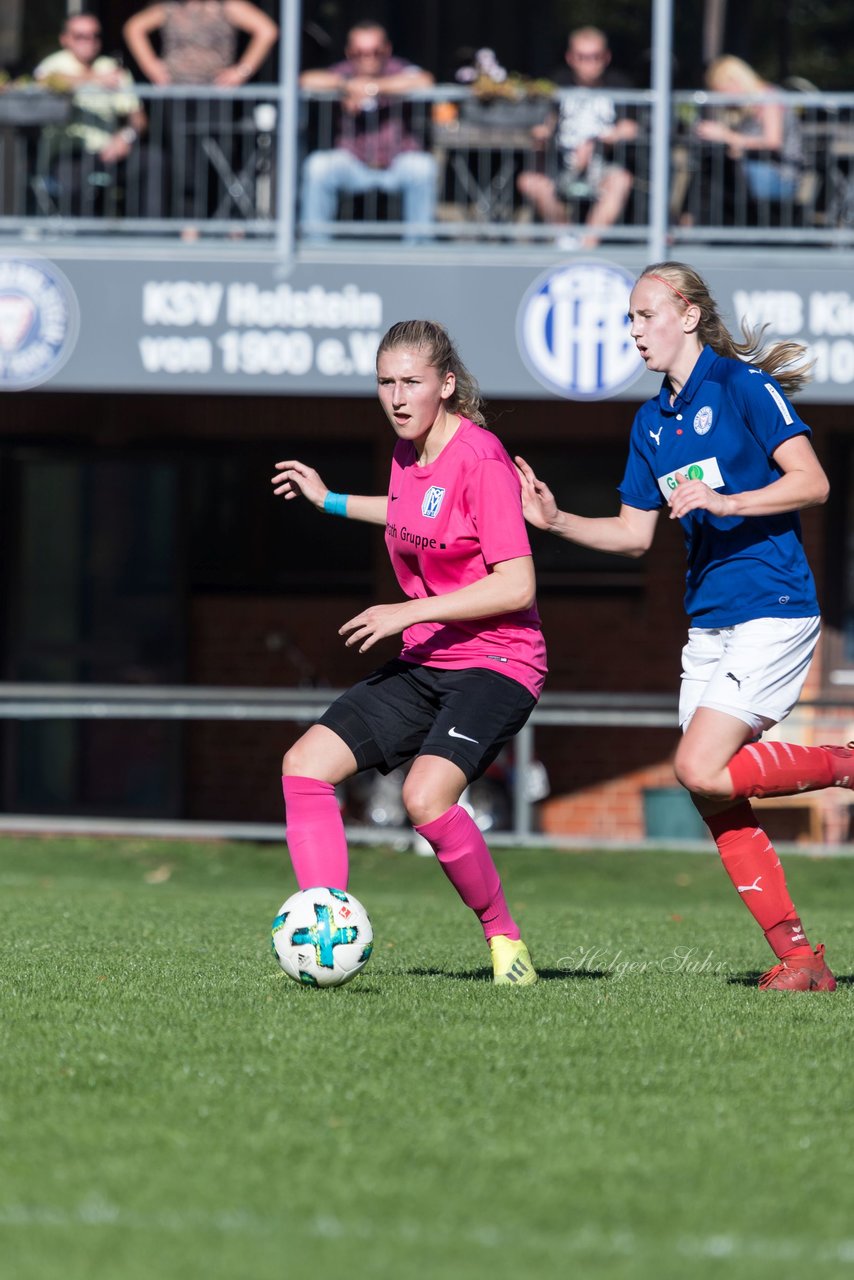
(783, 769)
(751, 863)
(461, 849)
(315, 833)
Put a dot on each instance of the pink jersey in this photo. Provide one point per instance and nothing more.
(448, 523)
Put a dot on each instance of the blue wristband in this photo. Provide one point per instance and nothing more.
(335, 504)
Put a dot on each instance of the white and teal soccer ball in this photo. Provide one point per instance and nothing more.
(322, 937)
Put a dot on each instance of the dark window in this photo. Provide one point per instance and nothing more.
(243, 538)
(584, 482)
(94, 595)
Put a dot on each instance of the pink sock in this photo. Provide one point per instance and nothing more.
(466, 861)
(750, 860)
(784, 768)
(315, 833)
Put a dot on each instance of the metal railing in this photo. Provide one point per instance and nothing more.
(30, 702)
(715, 195)
(208, 160)
(484, 154)
(204, 161)
(829, 718)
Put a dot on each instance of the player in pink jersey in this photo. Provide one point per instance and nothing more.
(473, 659)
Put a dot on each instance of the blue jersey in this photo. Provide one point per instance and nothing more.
(723, 428)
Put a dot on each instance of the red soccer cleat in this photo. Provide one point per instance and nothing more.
(800, 973)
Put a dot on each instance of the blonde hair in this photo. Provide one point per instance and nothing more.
(435, 343)
(785, 361)
(737, 71)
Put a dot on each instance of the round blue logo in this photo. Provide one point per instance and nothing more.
(39, 321)
(573, 332)
(703, 420)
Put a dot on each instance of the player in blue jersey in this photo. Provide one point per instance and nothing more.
(722, 447)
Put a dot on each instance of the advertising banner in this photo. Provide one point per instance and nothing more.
(245, 325)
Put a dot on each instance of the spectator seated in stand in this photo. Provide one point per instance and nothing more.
(374, 149)
(762, 140)
(83, 164)
(587, 129)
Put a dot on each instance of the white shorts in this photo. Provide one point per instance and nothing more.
(754, 671)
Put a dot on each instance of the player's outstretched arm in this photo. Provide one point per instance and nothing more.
(294, 479)
(627, 534)
(538, 502)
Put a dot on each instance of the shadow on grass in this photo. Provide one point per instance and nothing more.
(357, 987)
(485, 975)
(751, 979)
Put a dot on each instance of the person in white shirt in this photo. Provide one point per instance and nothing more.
(592, 139)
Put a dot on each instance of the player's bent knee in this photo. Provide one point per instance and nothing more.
(296, 762)
(422, 802)
(418, 808)
(701, 781)
(688, 775)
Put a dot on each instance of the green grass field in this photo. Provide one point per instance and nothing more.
(172, 1106)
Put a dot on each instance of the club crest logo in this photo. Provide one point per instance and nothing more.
(432, 501)
(703, 420)
(39, 322)
(573, 332)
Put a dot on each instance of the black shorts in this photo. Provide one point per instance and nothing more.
(403, 710)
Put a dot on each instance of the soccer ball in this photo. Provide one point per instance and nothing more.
(322, 937)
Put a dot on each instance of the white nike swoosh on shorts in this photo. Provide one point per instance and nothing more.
(452, 733)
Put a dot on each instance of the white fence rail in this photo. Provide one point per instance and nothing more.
(212, 162)
(297, 706)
